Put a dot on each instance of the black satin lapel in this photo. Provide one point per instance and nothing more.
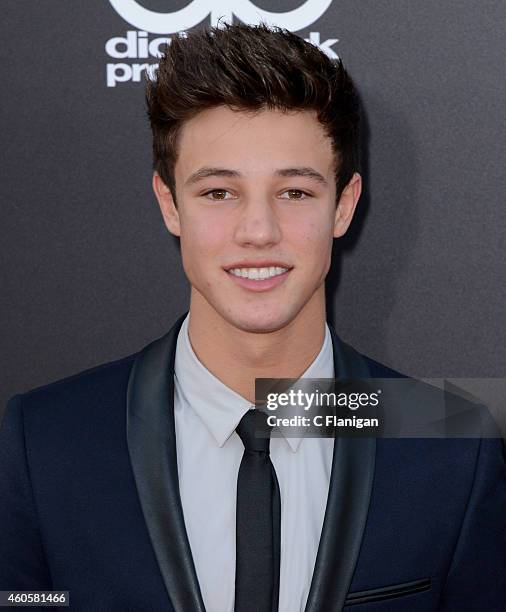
(347, 504)
(151, 440)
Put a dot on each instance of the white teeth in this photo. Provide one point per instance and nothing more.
(258, 273)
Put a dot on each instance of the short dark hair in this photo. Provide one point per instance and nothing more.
(251, 68)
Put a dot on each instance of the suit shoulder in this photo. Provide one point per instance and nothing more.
(104, 381)
(376, 369)
(380, 370)
(461, 412)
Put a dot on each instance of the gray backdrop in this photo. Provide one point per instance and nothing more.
(89, 273)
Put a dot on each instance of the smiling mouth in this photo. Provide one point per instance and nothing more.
(257, 274)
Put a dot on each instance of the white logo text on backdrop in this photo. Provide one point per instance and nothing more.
(195, 12)
(136, 44)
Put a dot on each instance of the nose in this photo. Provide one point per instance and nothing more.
(257, 225)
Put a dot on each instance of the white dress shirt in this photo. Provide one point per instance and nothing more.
(209, 453)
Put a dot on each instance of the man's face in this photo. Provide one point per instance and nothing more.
(256, 213)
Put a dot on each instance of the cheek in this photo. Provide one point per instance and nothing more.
(199, 236)
(202, 243)
(314, 242)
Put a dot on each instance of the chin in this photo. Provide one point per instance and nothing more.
(258, 323)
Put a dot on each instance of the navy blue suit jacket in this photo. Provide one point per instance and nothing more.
(89, 503)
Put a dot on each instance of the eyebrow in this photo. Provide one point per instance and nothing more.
(303, 171)
(207, 171)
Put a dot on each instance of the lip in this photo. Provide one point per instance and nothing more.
(259, 285)
(265, 263)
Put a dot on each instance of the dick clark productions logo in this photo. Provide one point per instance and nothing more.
(137, 44)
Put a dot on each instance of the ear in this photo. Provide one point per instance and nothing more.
(346, 205)
(167, 206)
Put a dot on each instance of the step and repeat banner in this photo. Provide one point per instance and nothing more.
(89, 272)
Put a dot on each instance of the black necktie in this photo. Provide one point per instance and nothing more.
(258, 520)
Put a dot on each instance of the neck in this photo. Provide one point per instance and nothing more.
(237, 357)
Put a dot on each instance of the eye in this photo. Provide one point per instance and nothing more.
(218, 195)
(294, 194)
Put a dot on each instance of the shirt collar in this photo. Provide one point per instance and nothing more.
(219, 407)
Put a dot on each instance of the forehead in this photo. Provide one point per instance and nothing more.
(253, 142)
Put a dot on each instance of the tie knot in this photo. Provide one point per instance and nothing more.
(254, 431)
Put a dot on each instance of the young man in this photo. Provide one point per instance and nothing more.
(138, 485)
